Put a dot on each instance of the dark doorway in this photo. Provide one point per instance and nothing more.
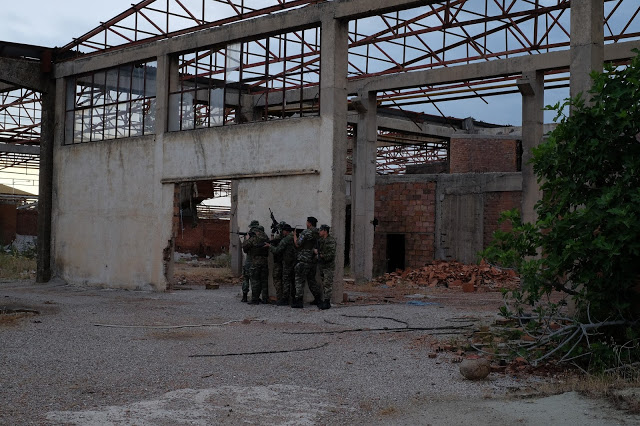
(395, 252)
(347, 237)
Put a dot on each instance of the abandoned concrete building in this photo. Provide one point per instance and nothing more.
(307, 107)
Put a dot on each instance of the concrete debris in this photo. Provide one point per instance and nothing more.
(469, 278)
(475, 369)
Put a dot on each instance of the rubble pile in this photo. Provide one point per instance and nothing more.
(469, 278)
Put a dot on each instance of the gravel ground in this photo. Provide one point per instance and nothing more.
(115, 357)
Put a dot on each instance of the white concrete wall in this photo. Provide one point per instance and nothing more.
(107, 209)
(113, 200)
(291, 199)
(275, 146)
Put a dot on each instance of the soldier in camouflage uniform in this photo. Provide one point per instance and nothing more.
(286, 251)
(326, 262)
(246, 268)
(277, 261)
(305, 269)
(255, 247)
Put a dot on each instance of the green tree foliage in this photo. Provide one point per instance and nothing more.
(586, 242)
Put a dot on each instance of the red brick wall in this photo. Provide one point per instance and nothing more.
(494, 204)
(27, 222)
(405, 208)
(7, 223)
(480, 155)
(209, 238)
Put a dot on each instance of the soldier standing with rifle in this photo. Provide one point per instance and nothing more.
(305, 269)
(286, 251)
(259, 271)
(276, 273)
(326, 252)
(246, 268)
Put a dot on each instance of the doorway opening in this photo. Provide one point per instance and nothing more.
(395, 252)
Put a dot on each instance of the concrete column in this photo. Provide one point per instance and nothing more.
(333, 110)
(163, 194)
(587, 43)
(45, 192)
(363, 187)
(531, 87)
(235, 248)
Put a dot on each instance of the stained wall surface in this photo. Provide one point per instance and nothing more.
(114, 199)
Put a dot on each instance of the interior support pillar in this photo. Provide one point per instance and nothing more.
(163, 194)
(333, 110)
(363, 187)
(45, 185)
(531, 87)
(587, 43)
(235, 248)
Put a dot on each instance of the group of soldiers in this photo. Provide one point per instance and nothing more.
(296, 258)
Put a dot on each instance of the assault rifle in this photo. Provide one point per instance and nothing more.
(242, 234)
(275, 226)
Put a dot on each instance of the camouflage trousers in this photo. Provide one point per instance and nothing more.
(259, 278)
(277, 278)
(306, 272)
(246, 275)
(288, 280)
(326, 275)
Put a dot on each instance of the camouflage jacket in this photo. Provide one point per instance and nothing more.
(326, 250)
(307, 241)
(254, 246)
(285, 250)
(277, 255)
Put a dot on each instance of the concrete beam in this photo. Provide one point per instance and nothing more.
(363, 189)
(587, 43)
(19, 149)
(6, 87)
(332, 150)
(23, 73)
(406, 125)
(532, 132)
(52, 116)
(495, 68)
(235, 246)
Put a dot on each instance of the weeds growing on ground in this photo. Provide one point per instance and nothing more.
(16, 267)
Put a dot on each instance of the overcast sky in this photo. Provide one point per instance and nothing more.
(54, 23)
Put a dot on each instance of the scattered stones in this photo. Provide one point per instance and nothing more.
(475, 369)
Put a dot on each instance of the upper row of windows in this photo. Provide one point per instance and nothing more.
(272, 78)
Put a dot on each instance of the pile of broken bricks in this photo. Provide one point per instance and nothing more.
(452, 274)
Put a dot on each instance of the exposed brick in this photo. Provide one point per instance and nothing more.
(483, 155)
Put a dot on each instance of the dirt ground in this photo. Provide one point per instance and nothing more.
(389, 354)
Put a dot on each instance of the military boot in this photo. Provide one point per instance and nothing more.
(297, 303)
(244, 297)
(325, 305)
(282, 302)
(316, 301)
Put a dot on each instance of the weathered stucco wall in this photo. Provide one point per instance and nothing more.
(107, 209)
(276, 146)
(114, 199)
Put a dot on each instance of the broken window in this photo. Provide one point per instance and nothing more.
(266, 79)
(119, 102)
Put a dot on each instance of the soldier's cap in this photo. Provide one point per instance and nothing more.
(261, 228)
(254, 224)
(282, 224)
(325, 228)
(287, 227)
(312, 220)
